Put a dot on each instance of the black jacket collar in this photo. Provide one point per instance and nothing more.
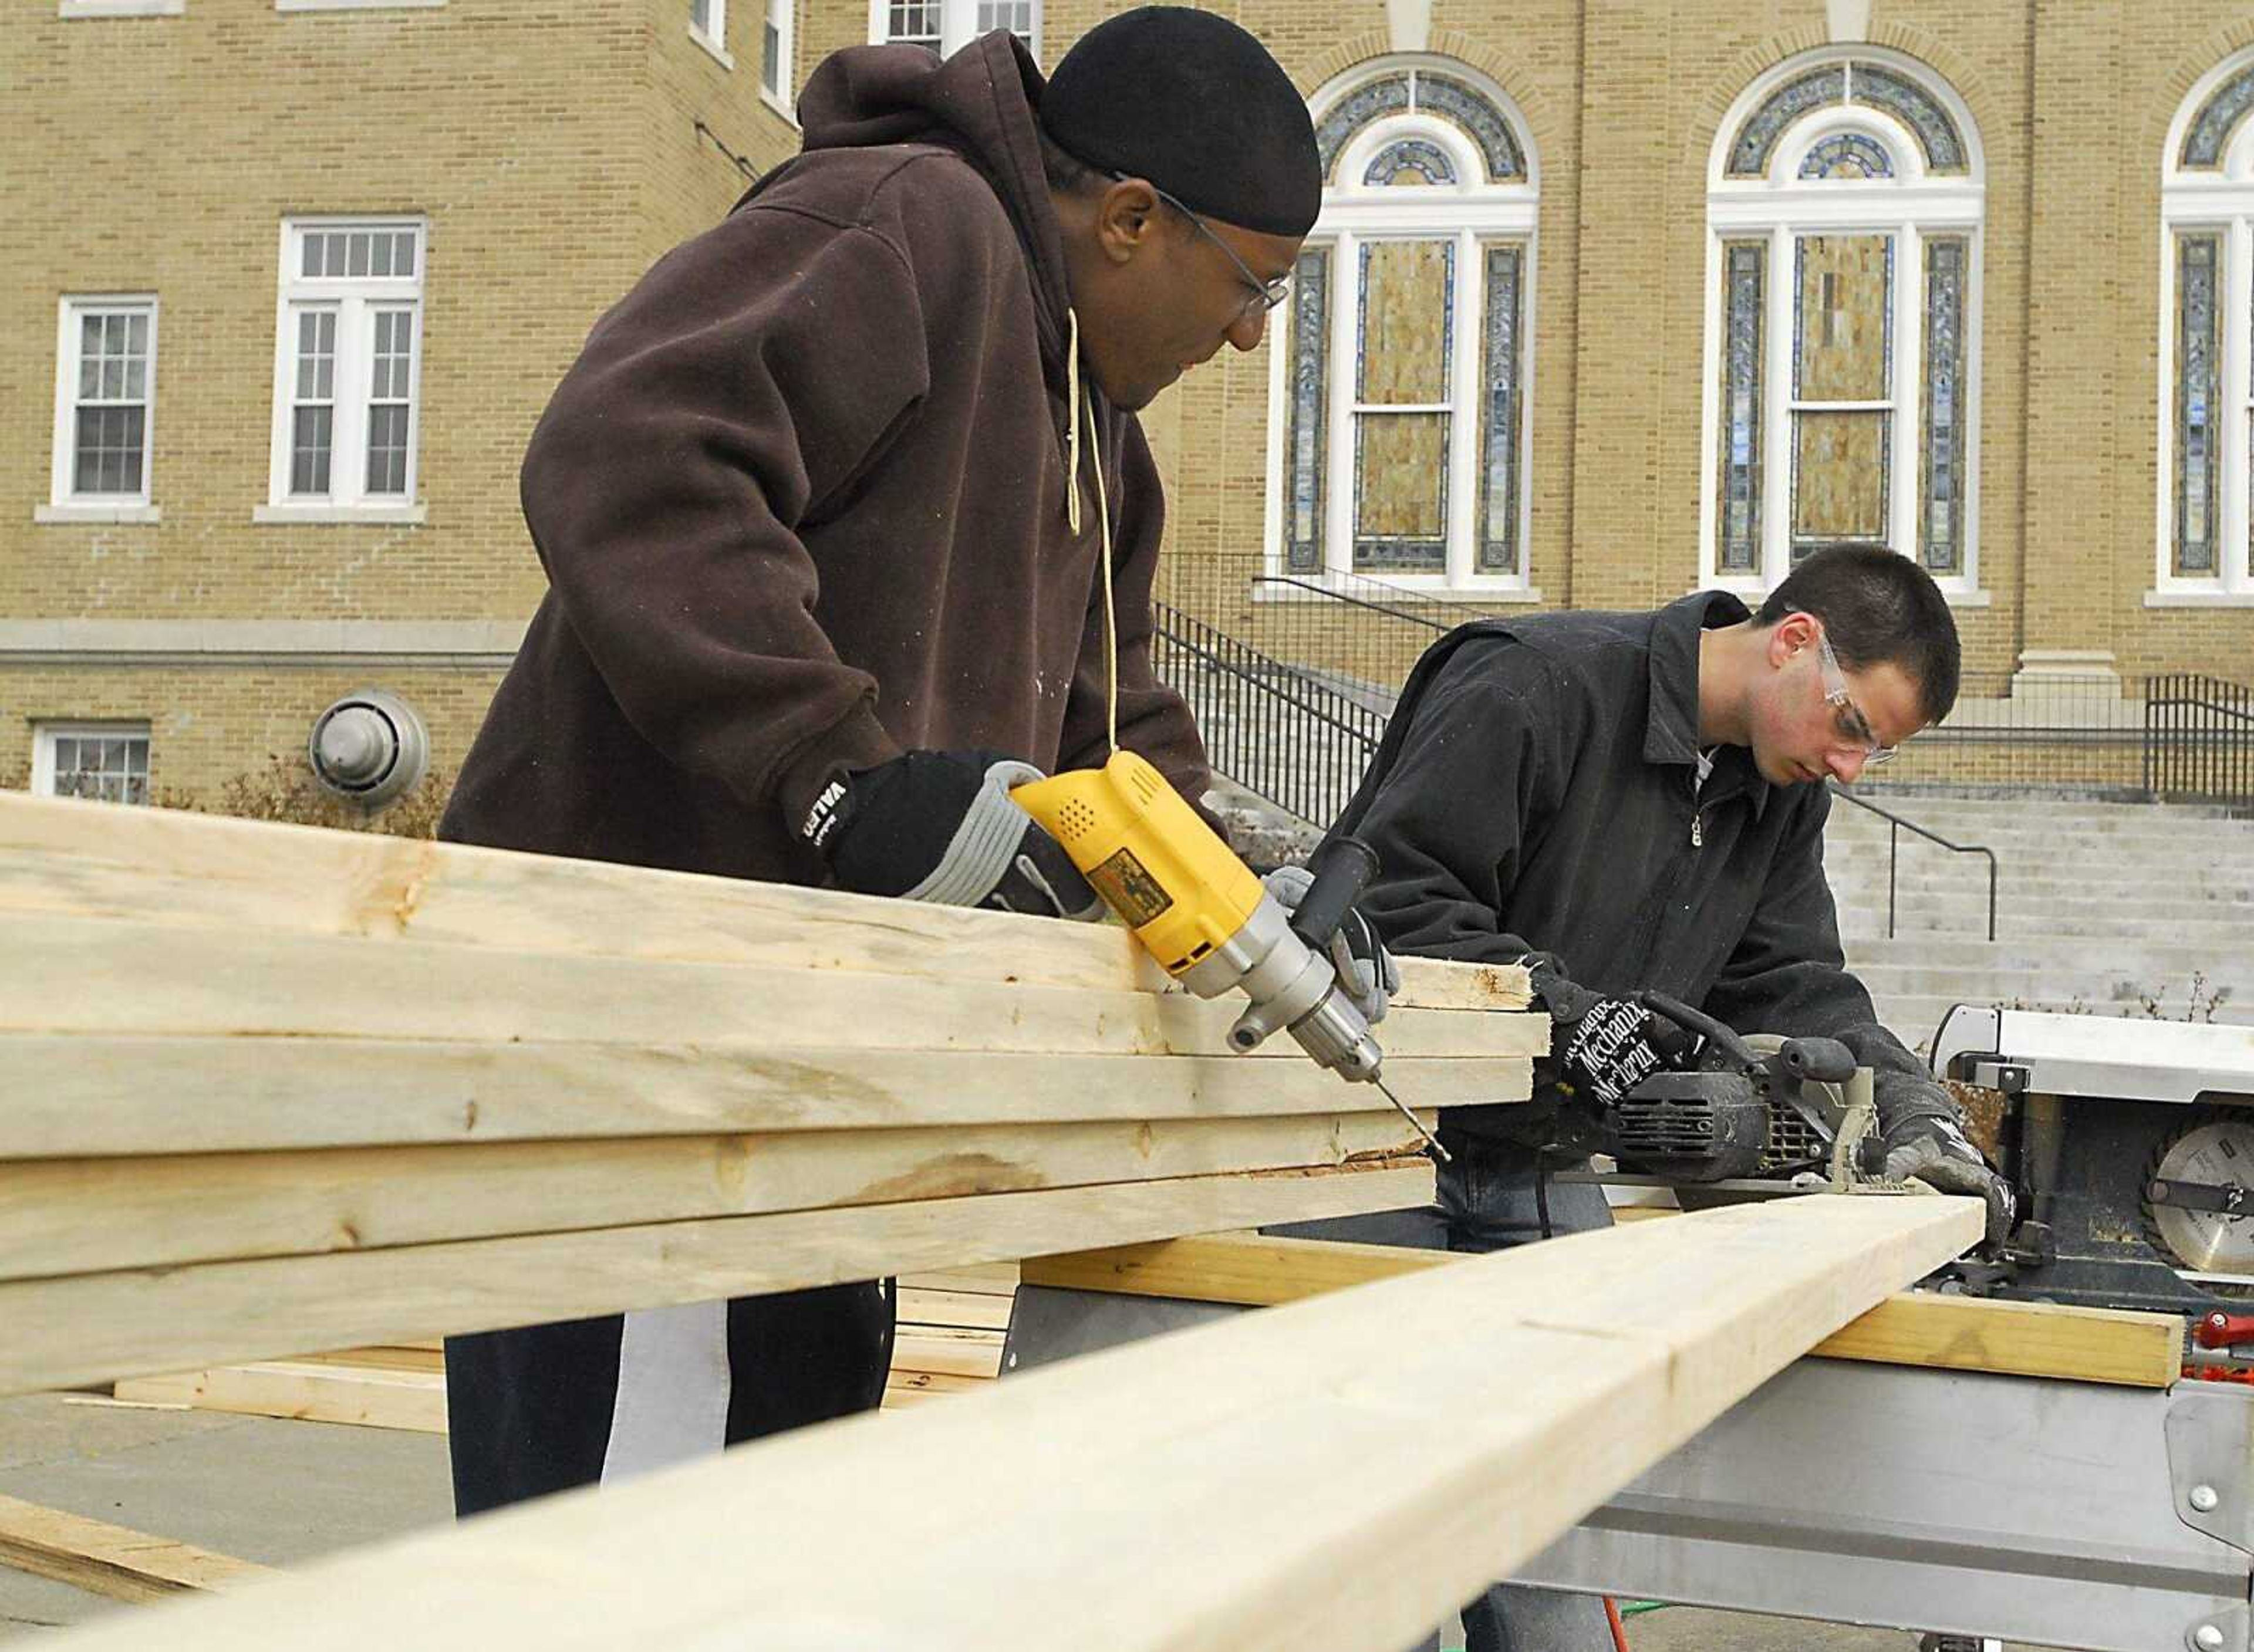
(1671, 731)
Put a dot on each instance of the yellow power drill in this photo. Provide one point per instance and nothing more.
(1207, 920)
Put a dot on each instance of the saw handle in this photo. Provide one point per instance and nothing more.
(2221, 1330)
(1824, 1060)
(1342, 868)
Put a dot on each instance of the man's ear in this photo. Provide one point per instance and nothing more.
(1789, 635)
(1126, 219)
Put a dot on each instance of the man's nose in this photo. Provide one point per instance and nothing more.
(1246, 331)
(1848, 766)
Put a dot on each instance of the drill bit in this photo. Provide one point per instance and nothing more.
(1432, 1140)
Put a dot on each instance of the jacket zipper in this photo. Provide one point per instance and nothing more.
(1697, 814)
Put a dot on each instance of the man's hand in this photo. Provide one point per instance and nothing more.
(1605, 1047)
(1365, 969)
(939, 826)
(1927, 1148)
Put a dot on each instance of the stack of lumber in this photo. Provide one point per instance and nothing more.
(271, 1088)
(1330, 1475)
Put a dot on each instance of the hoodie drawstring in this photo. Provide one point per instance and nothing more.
(1103, 522)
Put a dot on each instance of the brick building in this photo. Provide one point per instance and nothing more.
(1609, 300)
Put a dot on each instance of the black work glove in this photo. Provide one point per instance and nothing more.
(1365, 969)
(1603, 1048)
(1928, 1148)
(940, 826)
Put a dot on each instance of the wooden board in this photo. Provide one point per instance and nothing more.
(311, 1391)
(68, 857)
(68, 1216)
(94, 1327)
(110, 1560)
(1479, 1409)
(1953, 1332)
(89, 1094)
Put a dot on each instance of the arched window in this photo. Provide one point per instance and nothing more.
(2207, 366)
(1401, 361)
(1844, 212)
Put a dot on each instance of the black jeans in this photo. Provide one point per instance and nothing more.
(1495, 1194)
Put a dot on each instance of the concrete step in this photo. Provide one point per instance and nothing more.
(2218, 956)
(1914, 1018)
(2102, 987)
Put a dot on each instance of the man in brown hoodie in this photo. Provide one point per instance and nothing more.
(825, 507)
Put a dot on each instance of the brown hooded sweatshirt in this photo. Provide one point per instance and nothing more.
(803, 501)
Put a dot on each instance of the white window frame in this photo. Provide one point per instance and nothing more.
(2222, 201)
(69, 9)
(356, 301)
(958, 25)
(1783, 206)
(1473, 215)
(64, 503)
(45, 734)
(714, 36)
(781, 20)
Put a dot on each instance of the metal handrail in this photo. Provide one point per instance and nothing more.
(1333, 594)
(1895, 824)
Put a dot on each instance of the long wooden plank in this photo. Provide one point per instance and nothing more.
(110, 1560)
(1917, 1327)
(80, 975)
(310, 1391)
(94, 1327)
(82, 1095)
(70, 857)
(90, 1216)
(1330, 1476)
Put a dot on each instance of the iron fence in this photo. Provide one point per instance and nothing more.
(2199, 740)
(1276, 731)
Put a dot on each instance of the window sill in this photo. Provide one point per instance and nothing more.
(356, 5)
(2217, 598)
(285, 515)
(1317, 588)
(1967, 597)
(788, 114)
(89, 513)
(120, 8)
(719, 52)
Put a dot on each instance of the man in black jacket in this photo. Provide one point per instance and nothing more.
(1628, 801)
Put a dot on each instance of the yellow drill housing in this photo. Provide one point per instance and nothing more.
(1149, 855)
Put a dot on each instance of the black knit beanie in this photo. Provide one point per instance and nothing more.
(1195, 105)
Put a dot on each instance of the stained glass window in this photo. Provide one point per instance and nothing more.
(1411, 161)
(2208, 135)
(1848, 155)
(1403, 363)
(1845, 360)
(1306, 455)
(1497, 547)
(1404, 334)
(1744, 265)
(1941, 518)
(1842, 374)
(1874, 86)
(2198, 376)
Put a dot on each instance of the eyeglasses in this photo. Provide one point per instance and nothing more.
(1847, 716)
(1267, 294)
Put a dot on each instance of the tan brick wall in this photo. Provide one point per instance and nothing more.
(208, 724)
(555, 153)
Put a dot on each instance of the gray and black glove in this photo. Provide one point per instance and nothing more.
(1603, 1048)
(940, 826)
(1928, 1148)
(1365, 969)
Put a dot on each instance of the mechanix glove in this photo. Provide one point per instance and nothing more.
(1928, 1148)
(940, 826)
(1603, 1047)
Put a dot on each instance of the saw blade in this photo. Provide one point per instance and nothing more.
(2219, 1150)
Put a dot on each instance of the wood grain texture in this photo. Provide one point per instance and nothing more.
(1916, 1328)
(110, 1560)
(67, 858)
(1330, 1476)
(98, 1327)
(82, 1095)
